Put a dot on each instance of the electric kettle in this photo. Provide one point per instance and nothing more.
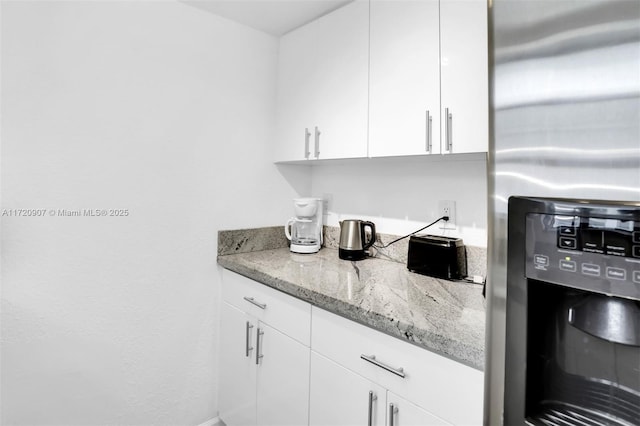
(353, 239)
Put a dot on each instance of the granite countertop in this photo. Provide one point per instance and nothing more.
(443, 316)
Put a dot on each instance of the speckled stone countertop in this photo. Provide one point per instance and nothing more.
(442, 316)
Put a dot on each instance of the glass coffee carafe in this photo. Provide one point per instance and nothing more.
(305, 229)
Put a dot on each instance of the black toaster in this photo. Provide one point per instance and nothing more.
(440, 257)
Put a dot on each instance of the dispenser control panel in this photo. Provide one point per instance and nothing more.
(613, 237)
(590, 253)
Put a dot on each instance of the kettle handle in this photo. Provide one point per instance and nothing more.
(372, 227)
(287, 233)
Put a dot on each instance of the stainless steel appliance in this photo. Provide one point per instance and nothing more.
(354, 239)
(564, 122)
(305, 229)
(573, 313)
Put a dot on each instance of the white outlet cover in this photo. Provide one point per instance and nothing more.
(449, 206)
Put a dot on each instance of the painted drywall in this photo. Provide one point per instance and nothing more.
(401, 195)
(162, 113)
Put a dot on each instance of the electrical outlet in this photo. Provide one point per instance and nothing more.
(447, 208)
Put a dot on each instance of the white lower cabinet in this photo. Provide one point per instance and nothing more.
(237, 371)
(282, 380)
(406, 413)
(278, 367)
(264, 372)
(340, 397)
(430, 386)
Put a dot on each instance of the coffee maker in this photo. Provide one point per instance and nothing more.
(305, 229)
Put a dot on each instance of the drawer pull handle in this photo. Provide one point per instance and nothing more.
(392, 414)
(316, 152)
(372, 359)
(253, 301)
(449, 130)
(429, 120)
(372, 397)
(307, 135)
(248, 347)
(258, 349)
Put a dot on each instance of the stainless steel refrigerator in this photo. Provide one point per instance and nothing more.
(564, 122)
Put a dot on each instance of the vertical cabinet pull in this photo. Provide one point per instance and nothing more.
(258, 354)
(372, 397)
(248, 347)
(449, 130)
(307, 135)
(428, 145)
(392, 413)
(317, 143)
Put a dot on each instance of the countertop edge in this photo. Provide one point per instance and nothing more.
(438, 344)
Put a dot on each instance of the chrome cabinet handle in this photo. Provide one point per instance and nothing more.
(258, 354)
(307, 135)
(248, 347)
(392, 412)
(372, 359)
(253, 301)
(317, 143)
(428, 144)
(449, 129)
(372, 397)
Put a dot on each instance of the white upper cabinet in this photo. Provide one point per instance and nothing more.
(428, 77)
(323, 87)
(296, 96)
(343, 83)
(385, 78)
(404, 107)
(464, 76)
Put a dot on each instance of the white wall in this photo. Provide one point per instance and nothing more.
(400, 195)
(154, 107)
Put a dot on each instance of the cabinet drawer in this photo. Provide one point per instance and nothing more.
(283, 312)
(446, 388)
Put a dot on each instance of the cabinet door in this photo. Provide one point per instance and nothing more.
(287, 314)
(342, 68)
(406, 413)
(464, 79)
(438, 384)
(283, 379)
(404, 78)
(341, 397)
(296, 95)
(237, 370)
